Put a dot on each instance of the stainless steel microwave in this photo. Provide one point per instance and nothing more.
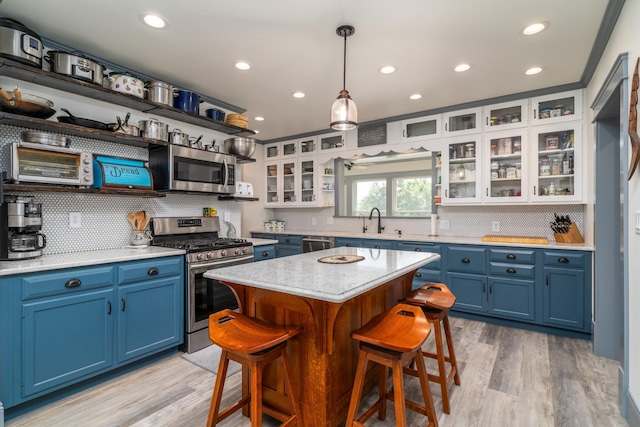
(185, 169)
(49, 164)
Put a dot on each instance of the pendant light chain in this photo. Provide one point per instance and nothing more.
(344, 64)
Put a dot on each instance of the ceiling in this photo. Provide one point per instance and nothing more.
(292, 45)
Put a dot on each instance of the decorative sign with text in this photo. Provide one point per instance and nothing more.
(372, 135)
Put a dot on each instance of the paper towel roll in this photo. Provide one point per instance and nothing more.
(434, 224)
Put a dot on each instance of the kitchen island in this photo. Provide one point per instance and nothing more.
(329, 301)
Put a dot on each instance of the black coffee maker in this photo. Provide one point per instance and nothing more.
(20, 225)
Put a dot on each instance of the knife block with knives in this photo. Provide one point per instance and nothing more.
(571, 236)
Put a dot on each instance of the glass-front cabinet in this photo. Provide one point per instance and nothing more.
(273, 178)
(281, 150)
(331, 142)
(462, 122)
(307, 146)
(421, 128)
(557, 163)
(505, 166)
(555, 108)
(308, 184)
(507, 115)
(289, 182)
(461, 170)
(272, 151)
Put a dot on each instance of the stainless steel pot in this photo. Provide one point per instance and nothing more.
(154, 129)
(177, 137)
(76, 65)
(19, 43)
(159, 92)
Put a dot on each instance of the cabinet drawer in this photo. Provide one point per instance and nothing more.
(564, 258)
(422, 247)
(521, 271)
(261, 253)
(151, 269)
(66, 281)
(466, 260)
(377, 244)
(290, 240)
(513, 255)
(263, 236)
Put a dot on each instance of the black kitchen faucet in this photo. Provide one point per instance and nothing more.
(380, 227)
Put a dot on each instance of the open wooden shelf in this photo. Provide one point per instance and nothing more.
(68, 84)
(42, 188)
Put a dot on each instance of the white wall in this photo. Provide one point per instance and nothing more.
(625, 38)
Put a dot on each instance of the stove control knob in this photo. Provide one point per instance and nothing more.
(211, 255)
(200, 256)
(237, 251)
(245, 250)
(86, 160)
(223, 252)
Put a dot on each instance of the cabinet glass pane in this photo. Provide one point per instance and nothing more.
(289, 149)
(272, 152)
(555, 163)
(462, 170)
(556, 108)
(504, 116)
(331, 142)
(506, 167)
(307, 180)
(272, 183)
(307, 146)
(289, 182)
(421, 128)
(463, 122)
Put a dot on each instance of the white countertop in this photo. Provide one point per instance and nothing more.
(303, 275)
(428, 238)
(261, 242)
(85, 258)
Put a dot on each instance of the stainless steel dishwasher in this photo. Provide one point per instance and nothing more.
(317, 243)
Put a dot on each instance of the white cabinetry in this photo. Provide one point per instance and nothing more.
(555, 108)
(556, 167)
(330, 142)
(461, 170)
(507, 115)
(293, 183)
(281, 150)
(505, 166)
(462, 122)
(421, 128)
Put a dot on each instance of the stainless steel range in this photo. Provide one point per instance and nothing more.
(205, 251)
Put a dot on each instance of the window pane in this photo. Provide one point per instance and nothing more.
(368, 195)
(412, 196)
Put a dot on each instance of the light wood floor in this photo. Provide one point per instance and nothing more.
(510, 377)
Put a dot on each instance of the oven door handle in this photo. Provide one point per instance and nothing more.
(220, 264)
(226, 171)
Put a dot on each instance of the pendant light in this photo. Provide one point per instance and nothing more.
(344, 113)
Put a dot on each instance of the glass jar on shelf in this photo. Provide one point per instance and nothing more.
(545, 168)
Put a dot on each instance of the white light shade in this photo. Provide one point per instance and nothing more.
(344, 113)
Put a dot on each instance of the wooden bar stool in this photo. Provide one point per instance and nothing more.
(436, 299)
(255, 344)
(392, 339)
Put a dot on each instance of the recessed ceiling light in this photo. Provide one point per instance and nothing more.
(415, 96)
(462, 67)
(241, 65)
(533, 70)
(535, 28)
(298, 94)
(153, 20)
(260, 119)
(387, 69)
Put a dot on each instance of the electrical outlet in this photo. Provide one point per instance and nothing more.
(495, 226)
(227, 216)
(445, 224)
(75, 220)
(329, 220)
(313, 221)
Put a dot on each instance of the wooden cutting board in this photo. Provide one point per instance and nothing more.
(516, 239)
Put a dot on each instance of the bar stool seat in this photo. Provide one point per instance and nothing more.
(436, 299)
(392, 339)
(254, 344)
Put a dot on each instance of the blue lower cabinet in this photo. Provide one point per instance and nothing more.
(65, 339)
(430, 273)
(512, 298)
(470, 291)
(264, 252)
(378, 244)
(149, 317)
(564, 297)
(349, 242)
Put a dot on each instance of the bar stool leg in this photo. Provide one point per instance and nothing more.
(418, 360)
(256, 394)
(452, 353)
(442, 378)
(217, 389)
(382, 392)
(398, 394)
(357, 388)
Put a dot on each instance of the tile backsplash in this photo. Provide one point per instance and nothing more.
(103, 217)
